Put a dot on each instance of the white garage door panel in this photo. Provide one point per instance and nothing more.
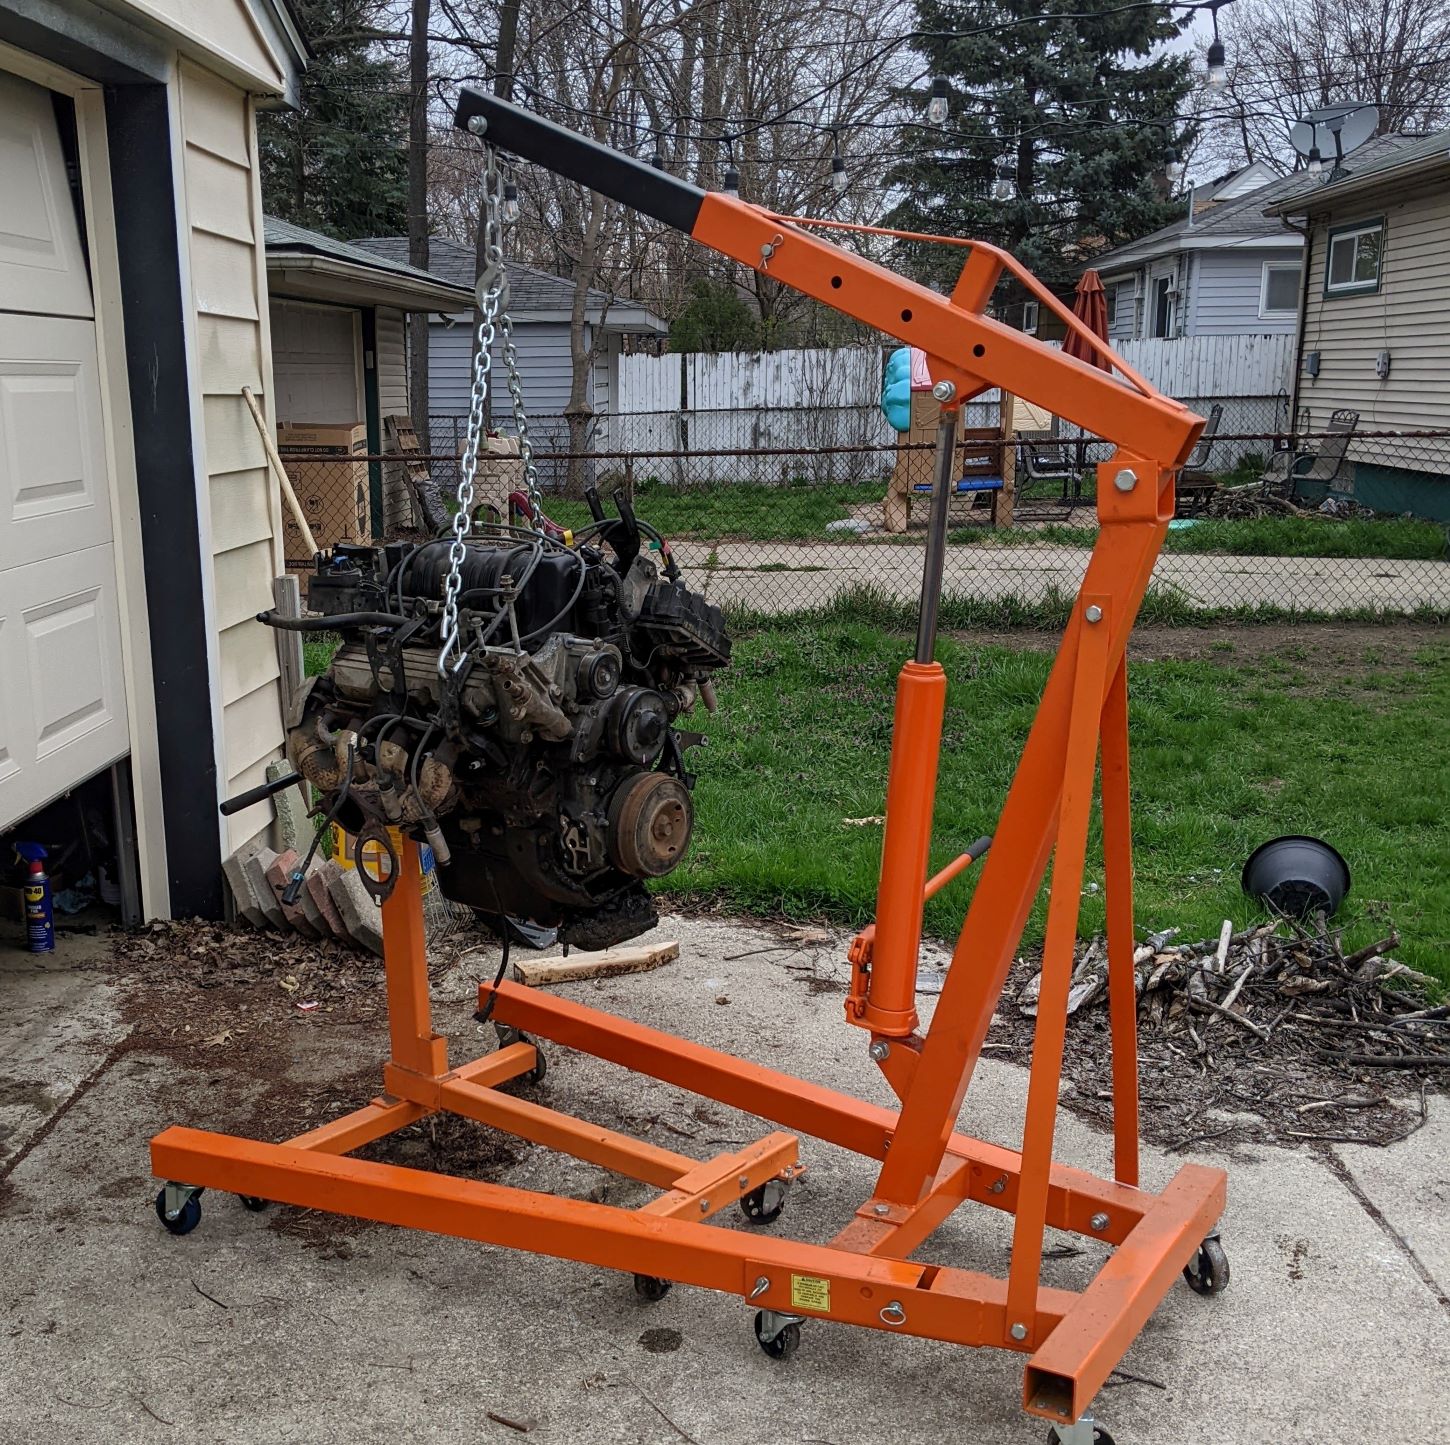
(315, 354)
(62, 697)
(63, 713)
(41, 265)
(54, 497)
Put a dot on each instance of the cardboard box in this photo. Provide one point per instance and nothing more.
(334, 493)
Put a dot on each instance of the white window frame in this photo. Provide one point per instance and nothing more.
(1030, 314)
(1351, 235)
(1264, 311)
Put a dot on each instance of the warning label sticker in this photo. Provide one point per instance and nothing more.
(809, 1293)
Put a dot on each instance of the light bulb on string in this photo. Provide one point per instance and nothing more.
(1314, 163)
(937, 108)
(657, 160)
(1004, 184)
(1173, 169)
(839, 178)
(732, 180)
(1216, 77)
(509, 210)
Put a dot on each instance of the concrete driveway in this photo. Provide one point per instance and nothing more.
(781, 577)
(286, 1326)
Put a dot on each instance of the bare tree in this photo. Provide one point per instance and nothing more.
(1290, 56)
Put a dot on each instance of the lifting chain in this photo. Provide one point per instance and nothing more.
(492, 295)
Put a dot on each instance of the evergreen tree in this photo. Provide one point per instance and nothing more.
(339, 163)
(1069, 120)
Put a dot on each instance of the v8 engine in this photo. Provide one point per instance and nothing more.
(543, 761)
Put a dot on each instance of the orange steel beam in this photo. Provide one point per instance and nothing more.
(882, 1228)
(959, 1306)
(712, 1185)
(1118, 898)
(1074, 1196)
(376, 1120)
(410, 1017)
(1082, 1349)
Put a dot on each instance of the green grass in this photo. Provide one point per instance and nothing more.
(798, 512)
(1226, 754)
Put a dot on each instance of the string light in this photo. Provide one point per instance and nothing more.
(1315, 162)
(1005, 183)
(1173, 169)
(732, 180)
(937, 108)
(1217, 76)
(509, 210)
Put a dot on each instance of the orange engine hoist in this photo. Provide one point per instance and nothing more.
(867, 1274)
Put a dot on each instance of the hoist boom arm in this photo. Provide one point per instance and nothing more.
(964, 346)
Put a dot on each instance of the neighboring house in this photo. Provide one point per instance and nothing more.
(1376, 336)
(540, 305)
(139, 527)
(339, 353)
(1224, 269)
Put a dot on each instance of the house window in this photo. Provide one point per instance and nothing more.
(1279, 290)
(1163, 298)
(1355, 254)
(1029, 317)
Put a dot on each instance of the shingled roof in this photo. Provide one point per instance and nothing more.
(1244, 219)
(534, 295)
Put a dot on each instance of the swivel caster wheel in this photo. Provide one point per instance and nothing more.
(252, 1204)
(178, 1207)
(1086, 1432)
(763, 1205)
(508, 1035)
(1207, 1272)
(650, 1287)
(778, 1335)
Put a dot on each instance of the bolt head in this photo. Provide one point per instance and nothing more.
(880, 1208)
(704, 1206)
(1126, 480)
(1099, 1222)
(1094, 613)
(944, 390)
(880, 1050)
(1019, 1332)
(478, 124)
(744, 1181)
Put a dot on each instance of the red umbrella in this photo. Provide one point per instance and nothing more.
(1090, 306)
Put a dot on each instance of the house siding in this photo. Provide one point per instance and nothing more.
(1409, 316)
(1227, 286)
(227, 267)
(544, 366)
(392, 371)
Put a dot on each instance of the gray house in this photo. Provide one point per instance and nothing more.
(540, 305)
(1376, 336)
(1225, 269)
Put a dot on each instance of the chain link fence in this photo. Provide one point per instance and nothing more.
(823, 510)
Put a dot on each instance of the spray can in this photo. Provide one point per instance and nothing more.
(39, 912)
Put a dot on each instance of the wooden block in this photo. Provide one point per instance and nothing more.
(607, 964)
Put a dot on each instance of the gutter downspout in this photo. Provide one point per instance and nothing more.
(1307, 232)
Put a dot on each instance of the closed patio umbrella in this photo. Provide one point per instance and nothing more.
(1090, 306)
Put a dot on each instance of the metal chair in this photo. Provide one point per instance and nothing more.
(1196, 484)
(1046, 461)
(1319, 466)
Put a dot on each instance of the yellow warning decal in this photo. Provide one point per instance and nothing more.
(809, 1293)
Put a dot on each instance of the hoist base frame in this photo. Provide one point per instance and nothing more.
(862, 1277)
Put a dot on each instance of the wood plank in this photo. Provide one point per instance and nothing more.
(610, 963)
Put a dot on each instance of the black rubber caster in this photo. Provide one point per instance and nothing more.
(252, 1203)
(652, 1288)
(783, 1344)
(763, 1205)
(187, 1218)
(508, 1035)
(1100, 1436)
(1207, 1272)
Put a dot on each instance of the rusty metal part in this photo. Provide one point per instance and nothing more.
(650, 822)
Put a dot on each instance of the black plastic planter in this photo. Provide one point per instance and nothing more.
(1297, 876)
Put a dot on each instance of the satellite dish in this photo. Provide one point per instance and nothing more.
(1336, 130)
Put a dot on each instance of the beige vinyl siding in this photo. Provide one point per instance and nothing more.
(224, 235)
(1409, 316)
(392, 364)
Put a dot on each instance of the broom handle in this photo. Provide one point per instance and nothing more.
(275, 458)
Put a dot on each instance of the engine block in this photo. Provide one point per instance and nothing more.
(547, 769)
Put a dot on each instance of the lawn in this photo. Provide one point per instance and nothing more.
(1228, 751)
(800, 512)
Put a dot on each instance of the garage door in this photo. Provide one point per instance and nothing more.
(316, 371)
(62, 704)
